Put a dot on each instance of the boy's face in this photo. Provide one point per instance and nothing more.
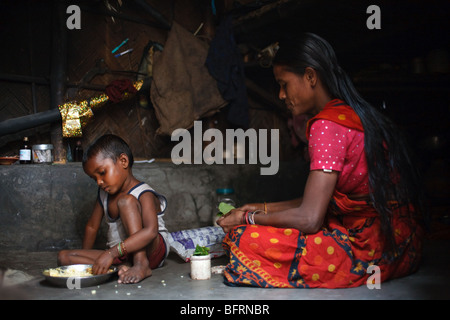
(108, 175)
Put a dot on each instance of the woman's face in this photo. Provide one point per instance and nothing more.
(296, 91)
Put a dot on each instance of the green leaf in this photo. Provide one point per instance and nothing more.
(224, 208)
(201, 251)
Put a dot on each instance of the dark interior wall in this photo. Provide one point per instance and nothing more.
(46, 207)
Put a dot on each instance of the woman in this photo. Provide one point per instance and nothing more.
(361, 202)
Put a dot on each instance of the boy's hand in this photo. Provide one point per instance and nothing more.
(102, 264)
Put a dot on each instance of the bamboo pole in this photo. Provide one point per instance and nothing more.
(58, 75)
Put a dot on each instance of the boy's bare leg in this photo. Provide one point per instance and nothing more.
(138, 271)
(139, 259)
(130, 214)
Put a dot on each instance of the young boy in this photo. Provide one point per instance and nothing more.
(132, 209)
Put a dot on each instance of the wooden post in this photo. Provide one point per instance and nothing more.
(58, 74)
(154, 13)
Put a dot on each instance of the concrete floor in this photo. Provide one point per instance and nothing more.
(172, 282)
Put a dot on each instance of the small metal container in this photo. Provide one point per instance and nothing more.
(42, 153)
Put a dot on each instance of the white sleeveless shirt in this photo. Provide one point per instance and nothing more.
(116, 230)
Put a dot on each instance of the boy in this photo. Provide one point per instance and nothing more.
(132, 209)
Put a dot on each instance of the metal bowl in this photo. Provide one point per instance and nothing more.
(73, 282)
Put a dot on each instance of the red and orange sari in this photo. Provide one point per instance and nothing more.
(338, 256)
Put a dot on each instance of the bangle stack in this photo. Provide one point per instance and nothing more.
(121, 249)
(248, 217)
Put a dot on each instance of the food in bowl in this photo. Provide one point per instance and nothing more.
(72, 271)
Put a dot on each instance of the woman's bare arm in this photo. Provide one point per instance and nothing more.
(307, 217)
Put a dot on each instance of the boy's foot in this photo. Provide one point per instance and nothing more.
(133, 274)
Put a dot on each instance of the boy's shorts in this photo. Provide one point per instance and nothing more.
(155, 258)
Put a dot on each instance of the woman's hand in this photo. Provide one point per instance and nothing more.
(103, 262)
(231, 219)
(235, 217)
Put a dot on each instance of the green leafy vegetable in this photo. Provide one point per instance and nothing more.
(201, 251)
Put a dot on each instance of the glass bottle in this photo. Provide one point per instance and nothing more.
(25, 152)
(78, 152)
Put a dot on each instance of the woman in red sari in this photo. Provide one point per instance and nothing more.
(361, 203)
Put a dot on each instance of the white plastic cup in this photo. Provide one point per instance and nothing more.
(201, 267)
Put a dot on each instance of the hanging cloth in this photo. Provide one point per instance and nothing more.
(225, 64)
(182, 90)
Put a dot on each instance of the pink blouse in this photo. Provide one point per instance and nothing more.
(338, 148)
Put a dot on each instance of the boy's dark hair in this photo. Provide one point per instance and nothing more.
(111, 146)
